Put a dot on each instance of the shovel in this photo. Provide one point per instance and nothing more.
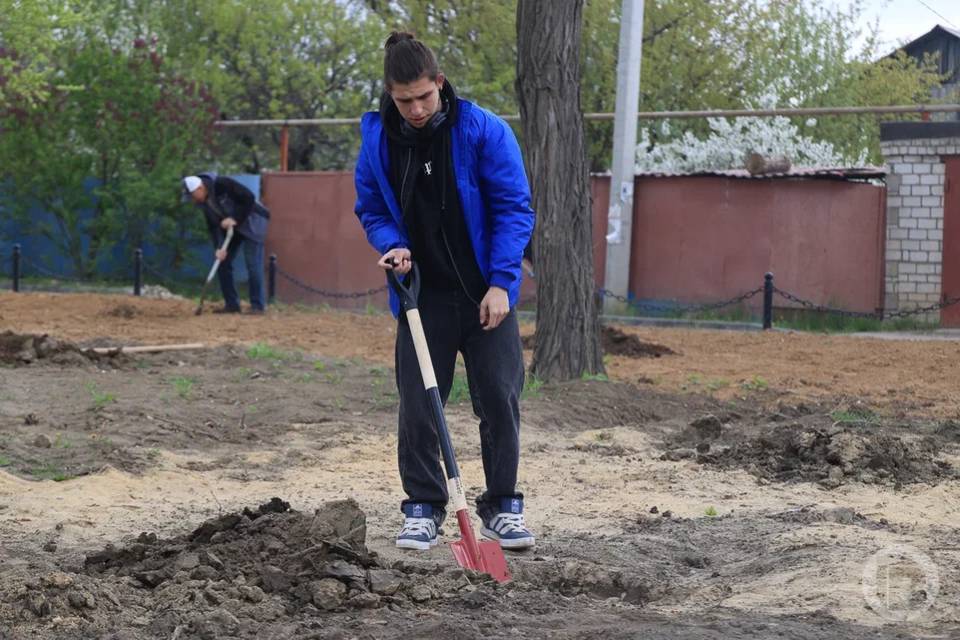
(213, 271)
(485, 556)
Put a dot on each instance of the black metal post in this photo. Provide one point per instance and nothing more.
(16, 267)
(768, 300)
(272, 279)
(137, 271)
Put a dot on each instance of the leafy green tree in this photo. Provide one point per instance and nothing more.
(275, 59)
(105, 160)
(475, 41)
(30, 33)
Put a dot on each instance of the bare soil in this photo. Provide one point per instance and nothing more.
(249, 490)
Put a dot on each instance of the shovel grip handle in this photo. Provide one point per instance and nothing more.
(408, 292)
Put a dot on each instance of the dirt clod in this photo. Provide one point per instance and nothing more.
(42, 442)
(618, 343)
(833, 456)
(23, 349)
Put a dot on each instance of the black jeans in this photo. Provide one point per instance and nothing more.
(494, 363)
(253, 256)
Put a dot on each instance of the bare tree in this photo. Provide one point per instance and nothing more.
(548, 91)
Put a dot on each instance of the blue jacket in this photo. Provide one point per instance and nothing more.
(491, 181)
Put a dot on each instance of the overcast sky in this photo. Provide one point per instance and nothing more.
(904, 20)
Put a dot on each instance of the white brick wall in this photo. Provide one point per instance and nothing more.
(914, 256)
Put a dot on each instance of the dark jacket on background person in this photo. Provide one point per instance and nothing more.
(227, 198)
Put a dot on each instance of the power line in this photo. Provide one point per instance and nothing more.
(937, 13)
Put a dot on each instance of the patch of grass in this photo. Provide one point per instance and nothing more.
(263, 351)
(319, 365)
(183, 386)
(305, 377)
(710, 512)
(603, 436)
(62, 443)
(5, 461)
(595, 377)
(531, 388)
(717, 384)
(153, 454)
(100, 398)
(754, 384)
(459, 390)
(379, 372)
(50, 472)
(334, 377)
(854, 415)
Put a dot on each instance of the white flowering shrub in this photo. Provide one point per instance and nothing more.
(729, 143)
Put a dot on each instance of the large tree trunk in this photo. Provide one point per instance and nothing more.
(548, 91)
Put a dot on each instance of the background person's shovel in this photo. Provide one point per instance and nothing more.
(485, 556)
(213, 271)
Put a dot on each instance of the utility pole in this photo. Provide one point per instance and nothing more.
(620, 214)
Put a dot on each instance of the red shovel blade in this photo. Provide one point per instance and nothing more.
(491, 559)
(485, 555)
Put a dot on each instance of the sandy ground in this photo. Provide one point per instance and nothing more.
(737, 545)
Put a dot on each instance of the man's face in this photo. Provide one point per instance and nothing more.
(199, 195)
(417, 101)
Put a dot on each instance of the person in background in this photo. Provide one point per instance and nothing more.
(228, 204)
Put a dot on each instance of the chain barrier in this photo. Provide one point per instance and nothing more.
(47, 272)
(876, 315)
(162, 278)
(692, 309)
(328, 294)
(812, 306)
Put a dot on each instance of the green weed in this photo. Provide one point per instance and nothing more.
(755, 384)
(531, 388)
(717, 384)
(50, 472)
(710, 512)
(183, 386)
(263, 351)
(854, 415)
(319, 365)
(595, 377)
(5, 461)
(100, 399)
(459, 390)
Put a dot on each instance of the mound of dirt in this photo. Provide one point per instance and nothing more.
(617, 343)
(831, 456)
(20, 349)
(122, 310)
(228, 578)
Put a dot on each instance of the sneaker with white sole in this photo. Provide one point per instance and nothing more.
(419, 528)
(508, 527)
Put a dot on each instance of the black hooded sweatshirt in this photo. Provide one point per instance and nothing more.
(422, 177)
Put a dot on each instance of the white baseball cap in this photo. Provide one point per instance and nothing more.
(191, 183)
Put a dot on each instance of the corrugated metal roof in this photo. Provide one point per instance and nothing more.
(829, 173)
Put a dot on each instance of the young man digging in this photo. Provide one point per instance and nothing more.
(441, 181)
